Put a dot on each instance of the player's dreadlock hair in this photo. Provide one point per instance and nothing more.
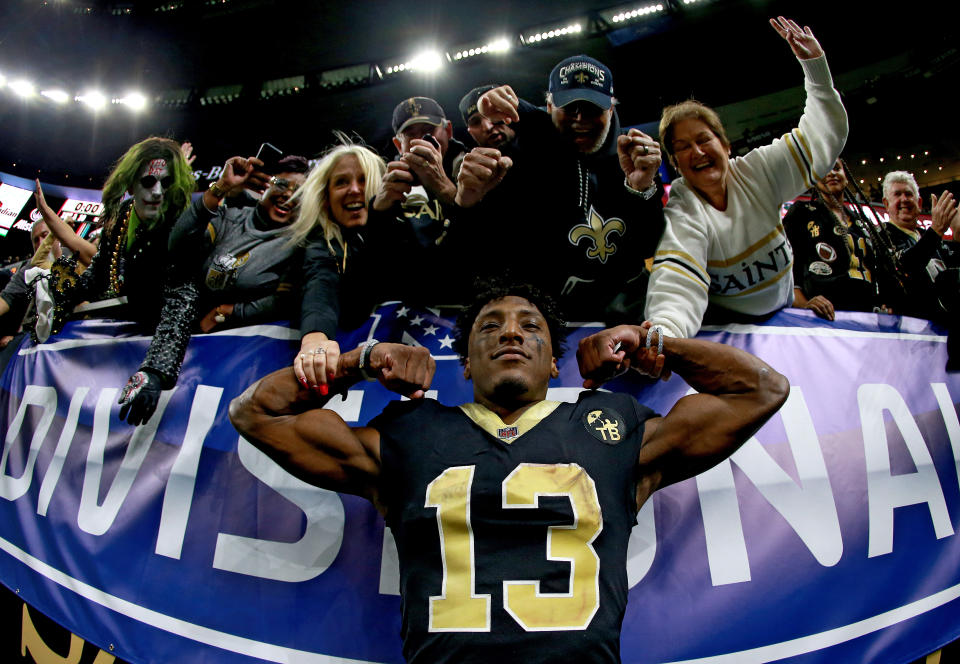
(127, 168)
(490, 289)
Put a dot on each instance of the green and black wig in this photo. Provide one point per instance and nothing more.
(125, 172)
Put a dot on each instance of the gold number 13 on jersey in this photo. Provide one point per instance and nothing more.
(459, 609)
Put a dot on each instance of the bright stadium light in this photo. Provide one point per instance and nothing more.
(628, 13)
(135, 101)
(55, 95)
(427, 61)
(22, 88)
(498, 45)
(553, 33)
(3, 80)
(93, 99)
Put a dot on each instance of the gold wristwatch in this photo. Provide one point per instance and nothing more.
(217, 190)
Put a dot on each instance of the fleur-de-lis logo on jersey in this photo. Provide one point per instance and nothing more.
(223, 271)
(598, 230)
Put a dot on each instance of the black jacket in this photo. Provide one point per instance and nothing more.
(565, 221)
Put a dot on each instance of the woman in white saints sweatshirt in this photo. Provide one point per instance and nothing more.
(724, 242)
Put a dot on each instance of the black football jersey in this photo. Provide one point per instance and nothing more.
(512, 538)
(830, 259)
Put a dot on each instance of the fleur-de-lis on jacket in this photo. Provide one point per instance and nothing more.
(597, 231)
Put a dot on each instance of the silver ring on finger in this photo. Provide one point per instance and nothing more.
(302, 356)
(319, 351)
(645, 150)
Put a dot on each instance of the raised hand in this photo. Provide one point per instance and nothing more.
(426, 163)
(499, 105)
(943, 213)
(187, 149)
(45, 210)
(639, 158)
(482, 170)
(82, 249)
(406, 370)
(610, 352)
(802, 42)
(395, 185)
(604, 355)
(240, 172)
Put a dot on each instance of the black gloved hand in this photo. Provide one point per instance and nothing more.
(139, 397)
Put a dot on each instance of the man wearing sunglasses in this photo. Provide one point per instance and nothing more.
(146, 191)
(580, 197)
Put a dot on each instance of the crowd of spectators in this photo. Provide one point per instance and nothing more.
(559, 195)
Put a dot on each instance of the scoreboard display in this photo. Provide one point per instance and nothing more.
(12, 201)
(80, 208)
(82, 215)
(80, 211)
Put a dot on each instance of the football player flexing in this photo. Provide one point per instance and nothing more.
(512, 514)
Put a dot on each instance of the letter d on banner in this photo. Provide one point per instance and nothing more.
(12, 488)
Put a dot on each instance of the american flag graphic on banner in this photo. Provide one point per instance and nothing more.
(400, 323)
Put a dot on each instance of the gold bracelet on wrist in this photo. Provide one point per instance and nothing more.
(217, 190)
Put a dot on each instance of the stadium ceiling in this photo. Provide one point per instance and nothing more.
(228, 74)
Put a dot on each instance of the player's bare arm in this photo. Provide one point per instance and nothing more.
(737, 393)
(287, 421)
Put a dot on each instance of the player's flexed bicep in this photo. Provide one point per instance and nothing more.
(288, 424)
(285, 419)
(737, 393)
(701, 430)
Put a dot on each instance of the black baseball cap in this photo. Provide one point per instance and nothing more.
(468, 105)
(415, 110)
(581, 78)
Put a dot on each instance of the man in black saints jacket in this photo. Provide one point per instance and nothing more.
(414, 208)
(576, 209)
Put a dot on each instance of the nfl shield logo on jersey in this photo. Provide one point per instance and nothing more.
(507, 433)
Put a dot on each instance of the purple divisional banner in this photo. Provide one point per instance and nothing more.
(829, 537)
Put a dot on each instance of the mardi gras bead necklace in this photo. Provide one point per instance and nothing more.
(121, 237)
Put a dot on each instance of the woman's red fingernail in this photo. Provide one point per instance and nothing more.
(303, 381)
(324, 389)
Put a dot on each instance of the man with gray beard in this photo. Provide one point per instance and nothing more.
(577, 199)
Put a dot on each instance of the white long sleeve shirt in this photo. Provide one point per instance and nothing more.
(739, 258)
